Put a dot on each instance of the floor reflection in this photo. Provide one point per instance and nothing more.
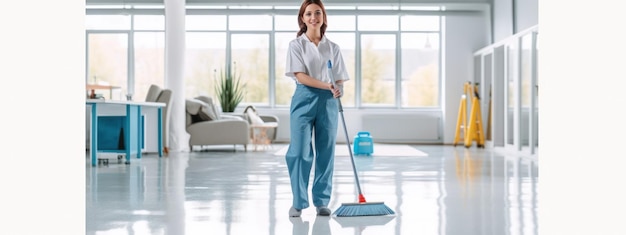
(454, 190)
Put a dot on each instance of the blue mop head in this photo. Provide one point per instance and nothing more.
(363, 209)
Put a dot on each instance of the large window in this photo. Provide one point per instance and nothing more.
(285, 86)
(126, 52)
(149, 62)
(420, 70)
(204, 59)
(393, 60)
(107, 22)
(205, 22)
(250, 22)
(346, 42)
(378, 63)
(107, 58)
(378, 60)
(420, 51)
(250, 53)
(341, 23)
(378, 23)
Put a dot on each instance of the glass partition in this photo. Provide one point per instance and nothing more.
(511, 75)
(535, 95)
(486, 96)
(526, 92)
(512, 95)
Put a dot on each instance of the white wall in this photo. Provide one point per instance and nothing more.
(502, 19)
(464, 35)
(394, 126)
(526, 16)
(42, 50)
(526, 12)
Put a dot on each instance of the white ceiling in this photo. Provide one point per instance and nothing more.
(450, 5)
(289, 2)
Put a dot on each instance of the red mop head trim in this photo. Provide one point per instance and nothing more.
(361, 198)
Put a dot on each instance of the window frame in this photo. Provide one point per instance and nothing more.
(285, 11)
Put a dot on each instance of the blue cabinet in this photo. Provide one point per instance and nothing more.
(111, 136)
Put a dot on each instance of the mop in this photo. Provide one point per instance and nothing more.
(361, 208)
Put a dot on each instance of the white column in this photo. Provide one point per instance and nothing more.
(174, 71)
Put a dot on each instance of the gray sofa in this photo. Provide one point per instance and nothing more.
(207, 125)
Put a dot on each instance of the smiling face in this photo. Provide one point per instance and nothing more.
(313, 17)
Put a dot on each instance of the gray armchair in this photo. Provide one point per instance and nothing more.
(157, 94)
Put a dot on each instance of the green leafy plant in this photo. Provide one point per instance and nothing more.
(229, 89)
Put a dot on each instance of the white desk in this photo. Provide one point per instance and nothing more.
(132, 111)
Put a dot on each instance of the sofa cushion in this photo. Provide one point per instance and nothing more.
(204, 111)
(192, 106)
(216, 108)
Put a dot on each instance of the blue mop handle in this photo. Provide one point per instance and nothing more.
(332, 79)
(345, 129)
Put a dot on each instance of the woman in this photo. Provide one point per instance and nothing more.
(314, 109)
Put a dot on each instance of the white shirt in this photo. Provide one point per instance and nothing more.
(304, 56)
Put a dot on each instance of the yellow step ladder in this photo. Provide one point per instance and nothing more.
(461, 121)
(472, 129)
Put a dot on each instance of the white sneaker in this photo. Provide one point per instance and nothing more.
(323, 211)
(293, 212)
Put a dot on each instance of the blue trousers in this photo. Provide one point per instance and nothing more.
(313, 112)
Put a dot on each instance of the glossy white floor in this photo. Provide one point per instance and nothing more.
(454, 190)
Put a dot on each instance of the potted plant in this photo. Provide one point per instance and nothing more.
(229, 89)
